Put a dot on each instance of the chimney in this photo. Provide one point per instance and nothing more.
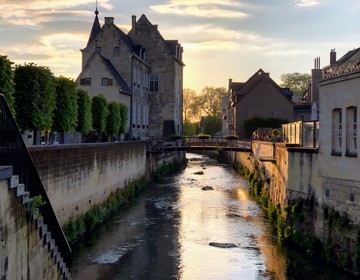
(109, 20)
(316, 76)
(332, 57)
(133, 22)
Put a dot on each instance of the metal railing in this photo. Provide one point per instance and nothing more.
(13, 152)
(159, 145)
(303, 134)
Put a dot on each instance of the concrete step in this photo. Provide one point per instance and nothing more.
(54, 251)
(39, 220)
(14, 181)
(47, 237)
(20, 190)
(51, 244)
(25, 198)
(43, 230)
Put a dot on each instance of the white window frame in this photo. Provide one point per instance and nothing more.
(154, 83)
(351, 131)
(337, 133)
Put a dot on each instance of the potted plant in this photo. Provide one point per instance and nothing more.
(275, 133)
(203, 136)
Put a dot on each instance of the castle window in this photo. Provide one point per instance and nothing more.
(106, 82)
(351, 131)
(98, 49)
(117, 51)
(154, 83)
(85, 81)
(336, 131)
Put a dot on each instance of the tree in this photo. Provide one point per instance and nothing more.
(251, 125)
(210, 100)
(190, 111)
(99, 112)
(211, 125)
(35, 93)
(296, 81)
(66, 111)
(84, 112)
(190, 128)
(7, 86)
(113, 120)
(124, 118)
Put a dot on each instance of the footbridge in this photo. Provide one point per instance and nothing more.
(195, 143)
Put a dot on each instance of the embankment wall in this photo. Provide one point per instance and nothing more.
(23, 254)
(76, 177)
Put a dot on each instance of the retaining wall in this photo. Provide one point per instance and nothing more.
(76, 177)
(23, 254)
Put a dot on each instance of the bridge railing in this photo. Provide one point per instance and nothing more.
(158, 145)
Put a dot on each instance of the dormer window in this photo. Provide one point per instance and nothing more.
(98, 49)
(117, 51)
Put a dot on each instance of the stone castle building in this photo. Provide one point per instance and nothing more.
(141, 70)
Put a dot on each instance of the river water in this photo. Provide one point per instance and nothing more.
(165, 234)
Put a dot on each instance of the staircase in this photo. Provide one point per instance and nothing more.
(27, 185)
(44, 233)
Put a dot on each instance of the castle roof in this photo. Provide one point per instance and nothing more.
(95, 28)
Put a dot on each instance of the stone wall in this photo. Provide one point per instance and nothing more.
(317, 208)
(77, 177)
(291, 174)
(23, 254)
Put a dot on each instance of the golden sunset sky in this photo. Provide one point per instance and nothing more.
(222, 39)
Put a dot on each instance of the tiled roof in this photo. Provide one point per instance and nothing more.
(347, 56)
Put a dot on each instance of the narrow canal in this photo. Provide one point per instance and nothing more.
(165, 234)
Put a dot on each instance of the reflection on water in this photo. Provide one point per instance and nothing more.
(166, 233)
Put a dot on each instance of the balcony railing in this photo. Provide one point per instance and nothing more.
(301, 134)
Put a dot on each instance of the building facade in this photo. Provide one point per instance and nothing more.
(259, 97)
(139, 69)
(340, 100)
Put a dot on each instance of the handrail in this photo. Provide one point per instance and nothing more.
(14, 152)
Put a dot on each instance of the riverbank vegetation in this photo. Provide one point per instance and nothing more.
(77, 227)
(294, 225)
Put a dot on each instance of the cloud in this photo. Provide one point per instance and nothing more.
(307, 3)
(34, 13)
(201, 8)
(59, 51)
(14, 5)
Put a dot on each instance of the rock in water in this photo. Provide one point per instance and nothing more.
(222, 245)
(207, 188)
